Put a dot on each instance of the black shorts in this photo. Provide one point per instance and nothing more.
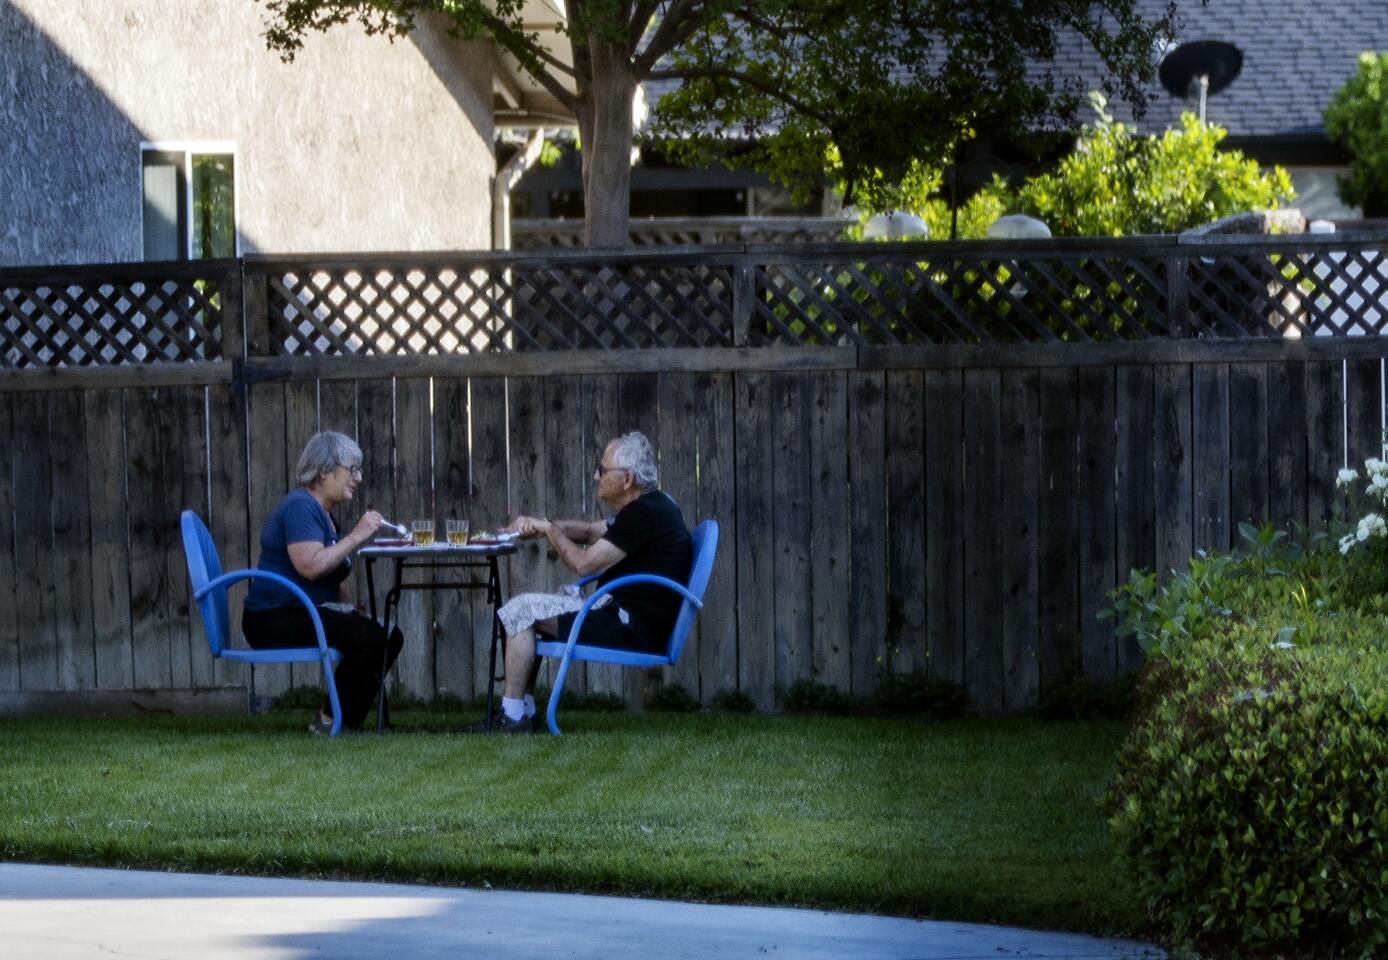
(603, 628)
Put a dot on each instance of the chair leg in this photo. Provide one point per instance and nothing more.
(553, 707)
(330, 682)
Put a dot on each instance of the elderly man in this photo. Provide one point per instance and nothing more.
(646, 534)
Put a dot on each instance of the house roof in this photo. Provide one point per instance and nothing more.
(1296, 54)
(518, 100)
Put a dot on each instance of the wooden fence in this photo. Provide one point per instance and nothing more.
(959, 507)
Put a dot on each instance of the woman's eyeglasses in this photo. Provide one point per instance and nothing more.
(353, 471)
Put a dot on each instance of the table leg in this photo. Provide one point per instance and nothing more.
(494, 595)
(392, 596)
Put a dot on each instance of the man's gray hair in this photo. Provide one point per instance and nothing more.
(632, 451)
(324, 453)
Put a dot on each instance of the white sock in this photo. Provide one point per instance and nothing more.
(514, 709)
(529, 704)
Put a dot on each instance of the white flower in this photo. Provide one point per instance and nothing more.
(1375, 465)
(1372, 525)
(1345, 477)
(1347, 541)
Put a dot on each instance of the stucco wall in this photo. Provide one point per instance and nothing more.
(360, 144)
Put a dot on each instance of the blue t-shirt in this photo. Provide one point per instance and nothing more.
(298, 519)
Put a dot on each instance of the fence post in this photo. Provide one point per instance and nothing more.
(743, 292)
(1177, 298)
(233, 319)
(256, 306)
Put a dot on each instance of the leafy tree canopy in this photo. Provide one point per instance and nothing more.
(1357, 119)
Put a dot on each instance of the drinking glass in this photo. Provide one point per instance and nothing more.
(423, 532)
(457, 532)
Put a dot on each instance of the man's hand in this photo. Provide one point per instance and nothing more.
(528, 527)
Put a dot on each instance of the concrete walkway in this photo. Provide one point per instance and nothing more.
(76, 913)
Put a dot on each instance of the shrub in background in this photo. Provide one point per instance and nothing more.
(915, 692)
(811, 696)
(1078, 698)
(1357, 119)
(733, 701)
(671, 698)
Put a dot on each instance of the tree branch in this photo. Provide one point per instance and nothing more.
(681, 14)
(640, 19)
(515, 41)
(769, 89)
(520, 46)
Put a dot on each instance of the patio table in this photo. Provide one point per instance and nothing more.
(431, 568)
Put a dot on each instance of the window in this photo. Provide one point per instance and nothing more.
(189, 201)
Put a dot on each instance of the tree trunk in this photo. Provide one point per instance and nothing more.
(605, 129)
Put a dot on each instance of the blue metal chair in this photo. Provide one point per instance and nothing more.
(705, 537)
(209, 590)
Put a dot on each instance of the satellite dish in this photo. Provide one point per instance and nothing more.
(1200, 67)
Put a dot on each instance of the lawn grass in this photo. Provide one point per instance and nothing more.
(979, 819)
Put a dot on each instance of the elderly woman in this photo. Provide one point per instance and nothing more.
(646, 535)
(300, 542)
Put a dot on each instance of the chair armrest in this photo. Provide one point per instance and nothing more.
(584, 581)
(285, 582)
(607, 588)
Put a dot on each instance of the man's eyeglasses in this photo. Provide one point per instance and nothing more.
(604, 471)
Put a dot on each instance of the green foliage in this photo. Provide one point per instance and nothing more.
(811, 696)
(1357, 119)
(918, 693)
(1076, 698)
(671, 698)
(1117, 183)
(733, 701)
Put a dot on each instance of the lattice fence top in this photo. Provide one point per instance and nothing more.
(1059, 291)
(89, 321)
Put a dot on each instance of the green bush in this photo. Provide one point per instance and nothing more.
(671, 698)
(915, 692)
(811, 696)
(1077, 698)
(1357, 119)
(734, 701)
(1250, 799)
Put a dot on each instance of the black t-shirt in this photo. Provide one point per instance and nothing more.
(651, 532)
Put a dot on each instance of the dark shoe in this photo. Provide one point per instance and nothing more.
(319, 728)
(501, 724)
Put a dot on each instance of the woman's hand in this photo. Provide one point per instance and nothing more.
(367, 526)
(528, 527)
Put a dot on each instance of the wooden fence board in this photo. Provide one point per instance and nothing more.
(269, 478)
(566, 456)
(228, 519)
(33, 545)
(414, 498)
(829, 541)
(714, 422)
(1057, 531)
(756, 670)
(488, 412)
(147, 425)
(1325, 446)
(1210, 446)
(1020, 498)
(1248, 445)
(944, 523)
(1136, 536)
(337, 410)
(301, 423)
(9, 617)
(185, 468)
(1173, 479)
(790, 511)
(1363, 411)
(677, 441)
(983, 620)
(602, 405)
(376, 437)
(72, 561)
(906, 607)
(1287, 451)
(639, 405)
(867, 597)
(1095, 394)
(454, 666)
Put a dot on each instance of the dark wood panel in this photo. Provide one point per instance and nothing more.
(1136, 535)
(147, 424)
(414, 500)
(1020, 498)
(566, 488)
(790, 511)
(33, 545)
(454, 663)
(756, 584)
(301, 423)
(1325, 444)
(72, 561)
(906, 629)
(715, 423)
(639, 409)
(9, 617)
(487, 409)
(867, 477)
(1363, 411)
(1058, 528)
(829, 530)
(945, 527)
(1173, 467)
(677, 441)
(1248, 445)
(269, 482)
(1287, 444)
(228, 519)
(983, 573)
(1096, 507)
(602, 418)
(1210, 445)
(184, 452)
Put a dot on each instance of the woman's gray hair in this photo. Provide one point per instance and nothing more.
(324, 453)
(632, 451)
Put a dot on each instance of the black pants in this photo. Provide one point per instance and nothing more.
(359, 639)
